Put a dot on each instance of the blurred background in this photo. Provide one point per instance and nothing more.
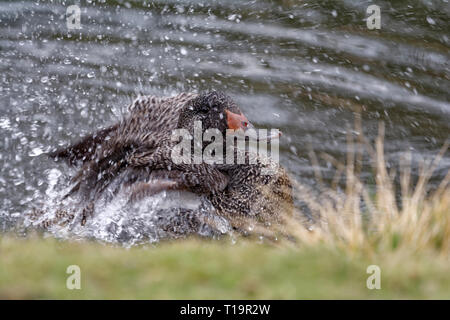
(305, 67)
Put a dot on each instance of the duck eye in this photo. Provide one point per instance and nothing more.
(204, 109)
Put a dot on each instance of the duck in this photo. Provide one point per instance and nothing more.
(136, 154)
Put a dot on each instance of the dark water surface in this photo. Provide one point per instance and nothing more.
(304, 67)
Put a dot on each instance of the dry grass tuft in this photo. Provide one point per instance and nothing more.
(393, 215)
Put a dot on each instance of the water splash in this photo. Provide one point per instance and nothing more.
(169, 214)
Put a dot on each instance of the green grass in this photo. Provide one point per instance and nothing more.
(35, 268)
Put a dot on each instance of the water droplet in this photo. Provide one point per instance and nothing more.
(36, 152)
(431, 21)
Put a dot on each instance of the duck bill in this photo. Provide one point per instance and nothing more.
(240, 124)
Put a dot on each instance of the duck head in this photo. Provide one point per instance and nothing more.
(217, 110)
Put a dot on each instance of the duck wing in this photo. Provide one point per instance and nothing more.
(146, 129)
(84, 149)
(150, 117)
(199, 178)
(202, 180)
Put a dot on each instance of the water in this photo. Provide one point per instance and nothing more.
(300, 66)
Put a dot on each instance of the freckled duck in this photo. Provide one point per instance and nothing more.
(136, 154)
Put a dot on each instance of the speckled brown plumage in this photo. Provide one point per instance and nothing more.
(136, 154)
